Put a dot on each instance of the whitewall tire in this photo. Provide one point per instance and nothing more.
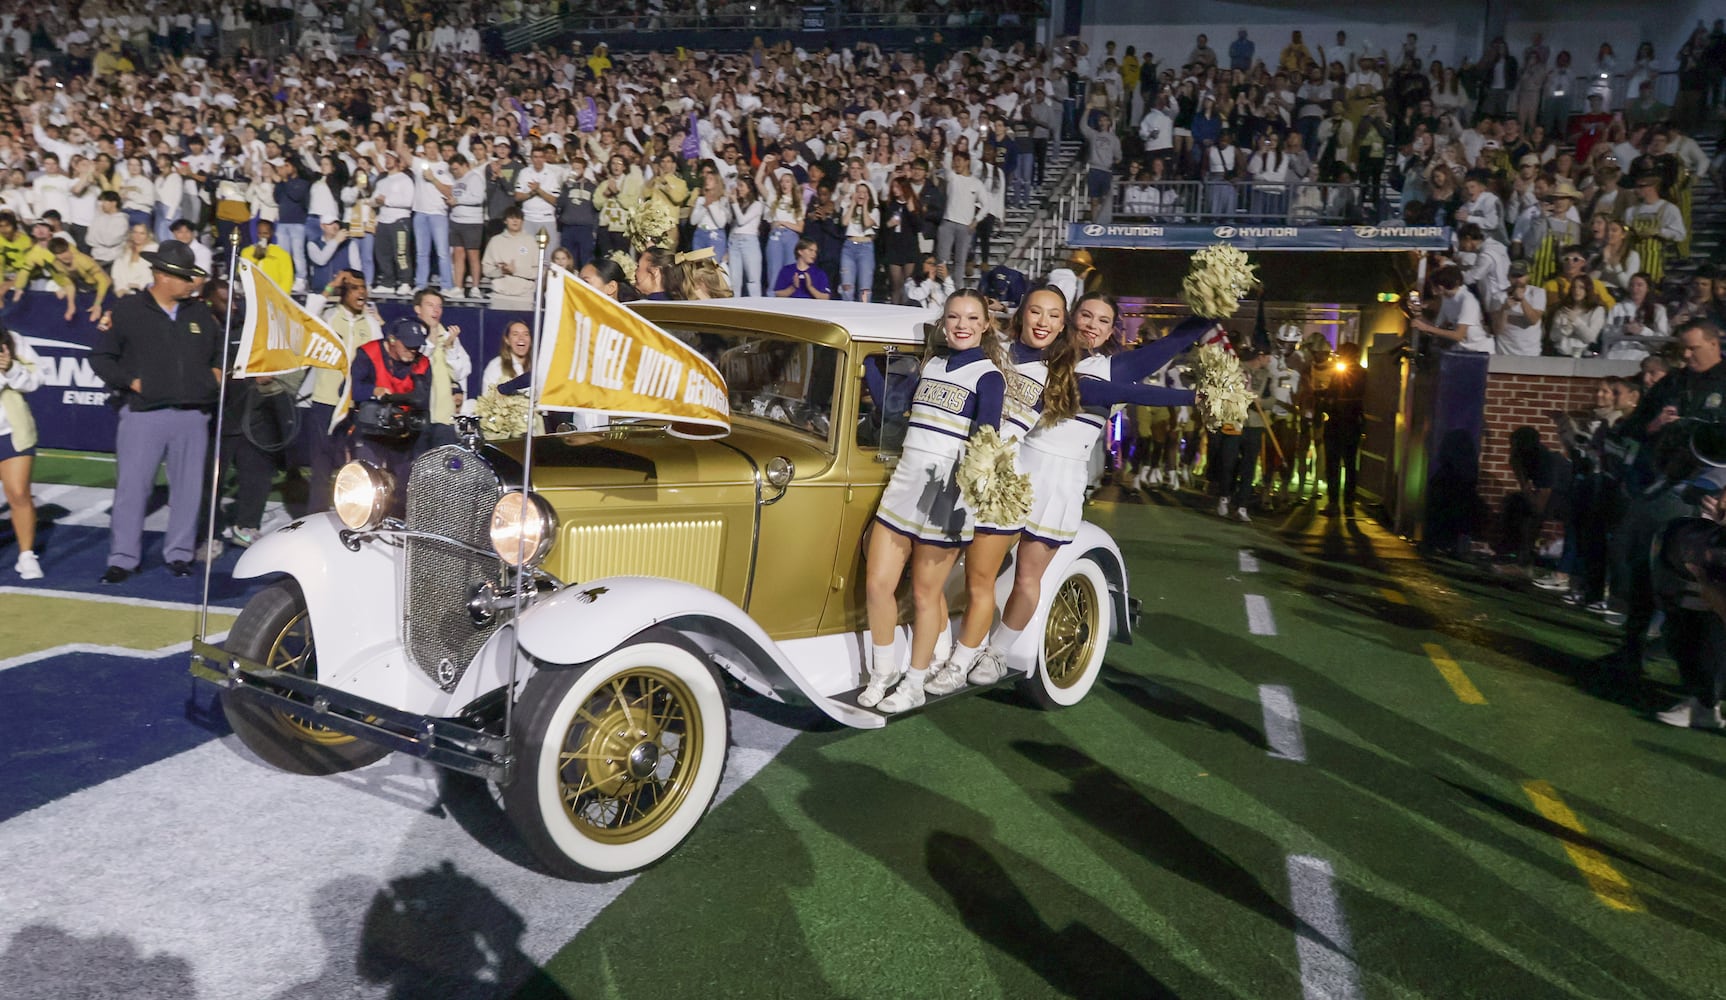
(1075, 637)
(618, 762)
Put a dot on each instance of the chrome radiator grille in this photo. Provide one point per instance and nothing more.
(450, 493)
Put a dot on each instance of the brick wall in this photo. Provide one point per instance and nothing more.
(1525, 392)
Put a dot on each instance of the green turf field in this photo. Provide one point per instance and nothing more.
(1494, 831)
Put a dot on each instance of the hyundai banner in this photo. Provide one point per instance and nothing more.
(1253, 236)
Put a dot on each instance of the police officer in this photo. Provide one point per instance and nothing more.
(392, 394)
(162, 354)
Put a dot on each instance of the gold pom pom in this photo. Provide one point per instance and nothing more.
(990, 482)
(501, 417)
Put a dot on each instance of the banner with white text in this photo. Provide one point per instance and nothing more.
(1254, 236)
(600, 357)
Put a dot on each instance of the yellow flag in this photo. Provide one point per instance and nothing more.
(600, 357)
(279, 336)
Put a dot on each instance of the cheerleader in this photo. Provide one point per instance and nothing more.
(1087, 376)
(1039, 323)
(922, 518)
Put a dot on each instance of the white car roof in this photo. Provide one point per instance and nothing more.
(870, 322)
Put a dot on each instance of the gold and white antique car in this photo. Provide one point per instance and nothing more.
(667, 576)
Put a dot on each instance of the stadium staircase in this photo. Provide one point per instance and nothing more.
(1707, 216)
(1033, 232)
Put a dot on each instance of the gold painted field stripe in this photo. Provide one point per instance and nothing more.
(1612, 888)
(1465, 690)
(1393, 596)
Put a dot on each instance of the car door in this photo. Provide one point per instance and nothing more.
(879, 386)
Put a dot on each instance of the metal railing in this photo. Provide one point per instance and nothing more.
(1043, 241)
(1284, 203)
(1616, 90)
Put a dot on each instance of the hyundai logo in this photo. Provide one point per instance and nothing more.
(1224, 232)
(1093, 230)
(1366, 232)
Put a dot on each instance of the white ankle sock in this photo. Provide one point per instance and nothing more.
(963, 655)
(1003, 639)
(881, 659)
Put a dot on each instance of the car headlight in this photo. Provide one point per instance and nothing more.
(523, 526)
(362, 495)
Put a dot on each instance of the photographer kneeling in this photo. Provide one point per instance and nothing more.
(392, 389)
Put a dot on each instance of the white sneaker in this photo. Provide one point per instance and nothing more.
(1223, 507)
(212, 550)
(944, 679)
(988, 668)
(876, 689)
(1690, 714)
(404, 289)
(1242, 516)
(1154, 478)
(908, 695)
(28, 566)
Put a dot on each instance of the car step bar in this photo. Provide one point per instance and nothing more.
(445, 743)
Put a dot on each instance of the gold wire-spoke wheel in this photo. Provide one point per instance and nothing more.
(294, 653)
(1070, 638)
(630, 755)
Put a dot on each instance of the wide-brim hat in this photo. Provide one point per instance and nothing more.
(174, 257)
(1564, 189)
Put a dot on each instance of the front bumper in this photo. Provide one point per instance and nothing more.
(447, 743)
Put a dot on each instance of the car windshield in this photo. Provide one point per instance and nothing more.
(778, 379)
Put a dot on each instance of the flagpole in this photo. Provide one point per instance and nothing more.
(544, 240)
(216, 451)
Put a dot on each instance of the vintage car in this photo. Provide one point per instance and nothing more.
(664, 576)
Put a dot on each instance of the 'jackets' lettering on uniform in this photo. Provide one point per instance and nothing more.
(1023, 391)
(942, 396)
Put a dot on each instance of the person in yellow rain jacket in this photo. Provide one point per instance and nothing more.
(276, 263)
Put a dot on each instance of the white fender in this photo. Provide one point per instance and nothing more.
(584, 621)
(354, 602)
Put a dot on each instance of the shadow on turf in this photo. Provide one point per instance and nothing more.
(1175, 706)
(1010, 900)
(46, 963)
(1073, 959)
(1419, 818)
(436, 933)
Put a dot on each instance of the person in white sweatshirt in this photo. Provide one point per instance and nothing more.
(966, 201)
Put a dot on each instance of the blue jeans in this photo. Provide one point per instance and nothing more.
(743, 252)
(579, 241)
(292, 237)
(781, 250)
(1024, 180)
(164, 219)
(857, 271)
(431, 234)
(368, 266)
(704, 238)
(137, 217)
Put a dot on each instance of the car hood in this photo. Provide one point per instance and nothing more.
(596, 461)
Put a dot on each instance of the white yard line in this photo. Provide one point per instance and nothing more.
(137, 602)
(1249, 562)
(91, 647)
(1260, 621)
(1327, 969)
(1283, 733)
